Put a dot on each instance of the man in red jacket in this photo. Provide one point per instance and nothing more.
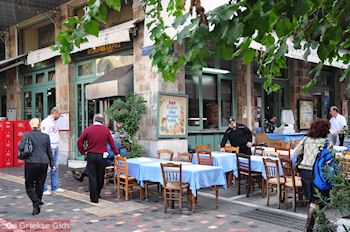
(97, 137)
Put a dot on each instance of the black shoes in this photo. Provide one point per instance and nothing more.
(41, 203)
(81, 178)
(36, 210)
(94, 201)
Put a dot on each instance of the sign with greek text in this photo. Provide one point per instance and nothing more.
(172, 115)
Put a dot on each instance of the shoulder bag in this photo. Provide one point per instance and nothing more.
(27, 151)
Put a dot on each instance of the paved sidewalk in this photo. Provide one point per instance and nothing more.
(111, 214)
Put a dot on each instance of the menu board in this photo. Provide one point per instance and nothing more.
(172, 115)
(63, 122)
(306, 109)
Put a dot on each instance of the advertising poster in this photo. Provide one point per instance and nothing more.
(172, 115)
(306, 109)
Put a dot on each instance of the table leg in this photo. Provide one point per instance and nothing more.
(217, 196)
(193, 203)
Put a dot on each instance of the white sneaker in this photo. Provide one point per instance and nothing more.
(59, 190)
(47, 193)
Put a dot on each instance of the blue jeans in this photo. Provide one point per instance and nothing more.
(54, 175)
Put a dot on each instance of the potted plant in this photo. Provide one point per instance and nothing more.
(129, 111)
(338, 199)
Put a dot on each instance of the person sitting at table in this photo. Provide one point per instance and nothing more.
(239, 136)
(270, 124)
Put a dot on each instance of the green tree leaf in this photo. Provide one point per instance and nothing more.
(248, 55)
(114, 4)
(92, 28)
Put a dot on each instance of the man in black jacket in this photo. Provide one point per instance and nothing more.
(239, 136)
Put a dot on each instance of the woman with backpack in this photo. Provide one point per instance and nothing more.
(307, 150)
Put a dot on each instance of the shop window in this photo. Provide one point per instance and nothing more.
(52, 76)
(85, 69)
(192, 90)
(40, 78)
(28, 80)
(210, 102)
(226, 101)
(37, 36)
(51, 99)
(106, 64)
(46, 35)
(28, 105)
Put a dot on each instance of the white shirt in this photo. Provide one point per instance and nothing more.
(337, 123)
(48, 126)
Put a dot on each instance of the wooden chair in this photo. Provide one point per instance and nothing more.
(226, 145)
(168, 152)
(293, 183)
(271, 153)
(258, 151)
(110, 175)
(184, 156)
(345, 165)
(231, 149)
(173, 186)
(125, 182)
(293, 143)
(204, 154)
(273, 178)
(244, 170)
(284, 153)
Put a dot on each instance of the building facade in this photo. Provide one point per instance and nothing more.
(33, 79)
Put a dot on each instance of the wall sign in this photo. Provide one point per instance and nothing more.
(63, 122)
(172, 115)
(306, 109)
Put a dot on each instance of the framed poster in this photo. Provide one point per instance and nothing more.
(344, 107)
(63, 122)
(172, 115)
(306, 111)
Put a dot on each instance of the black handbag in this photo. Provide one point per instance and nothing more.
(27, 151)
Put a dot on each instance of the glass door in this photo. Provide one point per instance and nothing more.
(86, 109)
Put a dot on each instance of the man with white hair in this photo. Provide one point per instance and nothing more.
(97, 137)
(338, 125)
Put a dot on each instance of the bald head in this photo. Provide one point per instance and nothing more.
(99, 118)
(55, 113)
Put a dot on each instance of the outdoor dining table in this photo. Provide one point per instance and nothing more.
(198, 176)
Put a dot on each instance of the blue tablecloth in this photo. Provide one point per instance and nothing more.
(286, 137)
(134, 165)
(198, 176)
(340, 148)
(220, 159)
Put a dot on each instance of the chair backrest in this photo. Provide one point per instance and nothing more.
(345, 164)
(243, 163)
(272, 169)
(294, 143)
(168, 152)
(184, 156)
(121, 166)
(122, 150)
(271, 153)
(203, 147)
(226, 145)
(172, 173)
(232, 149)
(204, 154)
(284, 153)
(258, 151)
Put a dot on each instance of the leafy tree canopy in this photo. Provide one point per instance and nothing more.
(322, 25)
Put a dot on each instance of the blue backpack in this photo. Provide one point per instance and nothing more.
(324, 160)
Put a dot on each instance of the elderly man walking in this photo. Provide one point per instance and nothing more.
(97, 136)
(48, 126)
(338, 126)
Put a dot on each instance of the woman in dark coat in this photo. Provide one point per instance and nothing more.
(35, 169)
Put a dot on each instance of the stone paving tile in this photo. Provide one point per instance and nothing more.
(113, 214)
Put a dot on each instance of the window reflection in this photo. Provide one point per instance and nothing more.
(210, 103)
(107, 64)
